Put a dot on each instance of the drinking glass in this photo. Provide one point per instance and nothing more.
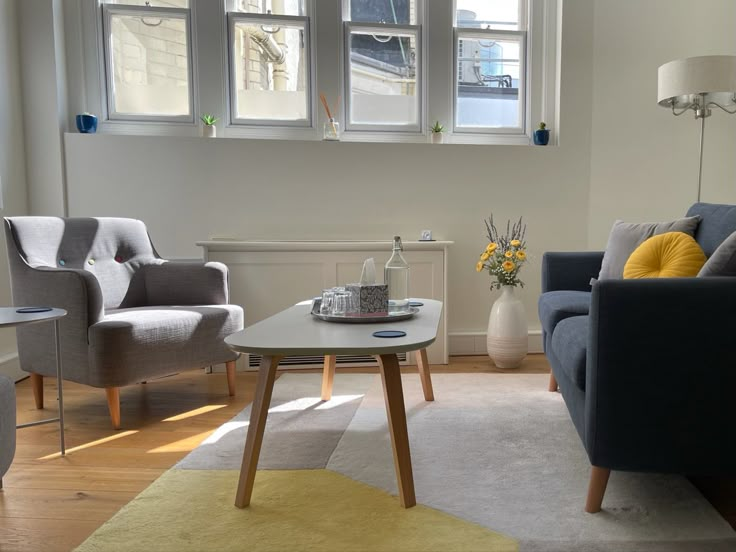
(341, 302)
(328, 296)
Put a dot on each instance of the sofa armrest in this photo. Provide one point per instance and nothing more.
(660, 375)
(570, 270)
(185, 283)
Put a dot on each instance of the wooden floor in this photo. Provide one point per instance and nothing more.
(52, 503)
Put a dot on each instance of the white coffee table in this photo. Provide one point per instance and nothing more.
(296, 332)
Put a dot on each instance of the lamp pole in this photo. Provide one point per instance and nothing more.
(702, 111)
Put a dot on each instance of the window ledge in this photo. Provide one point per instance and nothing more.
(311, 135)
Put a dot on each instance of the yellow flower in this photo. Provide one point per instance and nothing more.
(508, 266)
(491, 247)
(515, 243)
(484, 256)
(508, 254)
(521, 255)
(479, 267)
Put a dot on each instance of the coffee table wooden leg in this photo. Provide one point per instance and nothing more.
(259, 412)
(328, 377)
(394, 396)
(423, 366)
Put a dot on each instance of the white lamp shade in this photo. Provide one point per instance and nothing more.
(679, 80)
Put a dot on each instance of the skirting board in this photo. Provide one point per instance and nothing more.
(474, 343)
(10, 367)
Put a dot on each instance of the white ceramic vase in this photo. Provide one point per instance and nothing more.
(438, 137)
(209, 131)
(507, 341)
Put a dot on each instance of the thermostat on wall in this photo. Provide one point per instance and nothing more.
(426, 235)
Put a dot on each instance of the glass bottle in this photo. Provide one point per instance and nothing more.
(396, 275)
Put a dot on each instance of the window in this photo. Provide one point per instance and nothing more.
(383, 76)
(148, 60)
(490, 63)
(485, 69)
(269, 62)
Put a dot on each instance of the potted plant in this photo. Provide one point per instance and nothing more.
(209, 130)
(503, 258)
(437, 130)
(541, 135)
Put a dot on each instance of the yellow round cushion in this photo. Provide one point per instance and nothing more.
(670, 255)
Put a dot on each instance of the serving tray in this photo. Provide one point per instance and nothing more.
(361, 319)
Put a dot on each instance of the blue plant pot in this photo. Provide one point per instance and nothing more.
(541, 137)
(87, 124)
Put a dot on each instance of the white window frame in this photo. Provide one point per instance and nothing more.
(273, 21)
(383, 132)
(491, 34)
(108, 11)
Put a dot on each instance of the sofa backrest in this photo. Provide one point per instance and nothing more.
(717, 222)
(113, 249)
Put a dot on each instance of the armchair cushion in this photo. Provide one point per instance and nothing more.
(131, 345)
(569, 344)
(555, 306)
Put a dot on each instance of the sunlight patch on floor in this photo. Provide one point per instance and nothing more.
(91, 444)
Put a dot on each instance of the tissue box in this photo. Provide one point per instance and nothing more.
(369, 299)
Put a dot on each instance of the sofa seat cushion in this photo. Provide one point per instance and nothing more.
(555, 306)
(569, 344)
(130, 345)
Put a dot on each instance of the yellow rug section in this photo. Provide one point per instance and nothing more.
(192, 510)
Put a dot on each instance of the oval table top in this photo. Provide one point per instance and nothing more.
(295, 331)
(9, 316)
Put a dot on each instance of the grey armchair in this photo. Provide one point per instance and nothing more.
(132, 315)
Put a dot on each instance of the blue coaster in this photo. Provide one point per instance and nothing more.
(416, 304)
(32, 310)
(389, 333)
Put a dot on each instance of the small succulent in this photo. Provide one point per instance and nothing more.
(208, 119)
(437, 127)
(542, 126)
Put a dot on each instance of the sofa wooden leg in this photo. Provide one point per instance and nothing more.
(230, 369)
(37, 384)
(552, 383)
(596, 489)
(113, 403)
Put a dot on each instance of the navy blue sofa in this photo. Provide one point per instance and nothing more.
(647, 368)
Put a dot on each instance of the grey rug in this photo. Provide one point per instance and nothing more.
(495, 449)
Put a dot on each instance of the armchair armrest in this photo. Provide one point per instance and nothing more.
(660, 375)
(570, 270)
(185, 283)
(75, 290)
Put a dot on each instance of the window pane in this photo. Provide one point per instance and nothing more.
(150, 65)
(151, 3)
(400, 12)
(383, 79)
(270, 72)
(488, 14)
(274, 7)
(488, 83)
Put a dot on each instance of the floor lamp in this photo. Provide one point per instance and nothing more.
(698, 84)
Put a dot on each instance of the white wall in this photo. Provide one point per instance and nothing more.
(644, 164)
(12, 159)
(620, 156)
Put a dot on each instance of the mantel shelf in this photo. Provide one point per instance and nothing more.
(332, 245)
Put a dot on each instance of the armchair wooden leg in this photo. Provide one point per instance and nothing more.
(230, 369)
(552, 383)
(596, 489)
(113, 403)
(37, 384)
